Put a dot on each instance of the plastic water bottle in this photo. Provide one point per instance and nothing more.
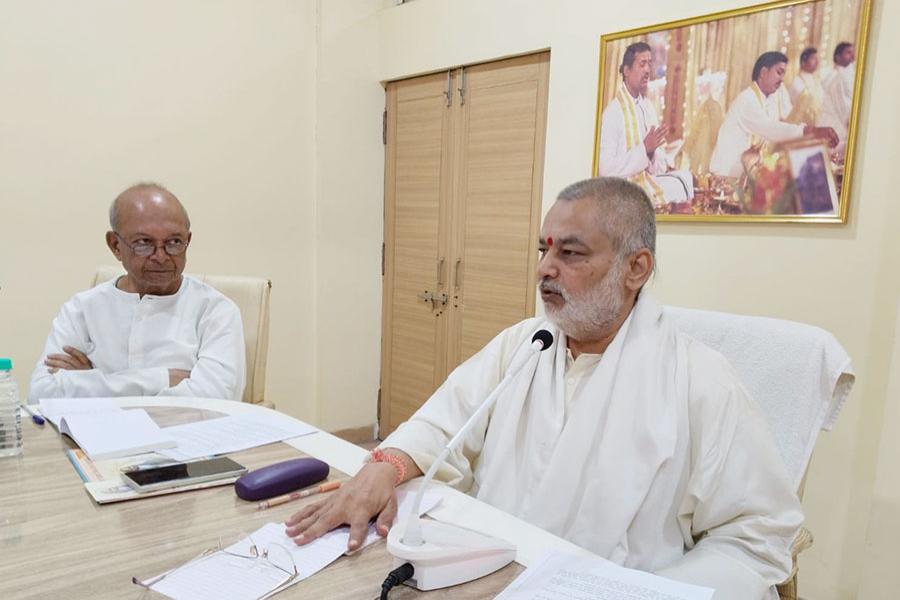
(10, 412)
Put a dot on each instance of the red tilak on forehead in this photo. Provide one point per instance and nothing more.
(549, 240)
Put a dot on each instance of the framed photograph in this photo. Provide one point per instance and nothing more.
(747, 115)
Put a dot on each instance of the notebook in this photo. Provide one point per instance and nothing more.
(115, 434)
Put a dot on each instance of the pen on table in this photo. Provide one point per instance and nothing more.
(325, 487)
(37, 418)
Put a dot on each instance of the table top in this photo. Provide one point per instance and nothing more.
(57, 543)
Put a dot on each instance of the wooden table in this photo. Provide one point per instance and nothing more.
(55, 542)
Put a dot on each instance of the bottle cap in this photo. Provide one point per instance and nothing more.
(5, 364)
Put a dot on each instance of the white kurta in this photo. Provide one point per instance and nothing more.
(616, 160)
(806, 82)
(837, 102)
(751, 115)
(133, 342)
(633, 456)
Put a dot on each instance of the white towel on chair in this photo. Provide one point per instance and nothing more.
(798, 374)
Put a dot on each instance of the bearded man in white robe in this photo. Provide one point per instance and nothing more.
(626, 437)
(632, 140)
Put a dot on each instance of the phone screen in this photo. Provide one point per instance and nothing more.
(190, 470)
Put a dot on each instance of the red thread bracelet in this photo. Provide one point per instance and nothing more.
(378, 456)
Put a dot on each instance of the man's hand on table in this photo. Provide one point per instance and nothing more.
(369, 494)
(73, 360)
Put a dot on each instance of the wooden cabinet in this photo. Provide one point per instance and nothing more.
(463, 172)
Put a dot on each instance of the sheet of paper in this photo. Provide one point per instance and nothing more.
(113, 434)
(560, 576)
(230, 434)
(229, 579)
(54, 409)
(221, 576)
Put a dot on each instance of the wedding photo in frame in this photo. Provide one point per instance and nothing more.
(746, 115)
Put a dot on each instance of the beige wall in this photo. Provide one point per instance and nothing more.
(349, 213)
(215, 99)
(845, 278)
(881, 577)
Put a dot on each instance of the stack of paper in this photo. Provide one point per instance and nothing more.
(54, 409)
(103, 430)
(231, 434)
(220, 575)
(561, 576)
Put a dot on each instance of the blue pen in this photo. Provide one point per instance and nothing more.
(37, 418)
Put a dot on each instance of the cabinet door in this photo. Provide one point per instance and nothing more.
(416, 207)
(497, 203)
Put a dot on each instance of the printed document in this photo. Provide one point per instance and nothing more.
(222, 575)
(560, 576)
(231, 434)
(54, 409)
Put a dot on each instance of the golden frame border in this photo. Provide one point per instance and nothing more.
(853, 130)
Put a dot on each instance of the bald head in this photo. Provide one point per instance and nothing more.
(150, 236)
(145, 199)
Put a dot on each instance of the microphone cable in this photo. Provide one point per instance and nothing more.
(395, 578)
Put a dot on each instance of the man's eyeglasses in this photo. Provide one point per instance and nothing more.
(145, 248)
(237, 555)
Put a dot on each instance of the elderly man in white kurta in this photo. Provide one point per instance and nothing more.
(632, 139)
(152, 331)
(757, 115)
(626, 437)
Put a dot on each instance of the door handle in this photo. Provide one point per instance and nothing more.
(457, 280)
(427, 297)
(440, 271)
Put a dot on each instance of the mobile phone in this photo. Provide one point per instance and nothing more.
(148, 479)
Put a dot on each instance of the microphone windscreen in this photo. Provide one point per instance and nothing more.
(543, 336)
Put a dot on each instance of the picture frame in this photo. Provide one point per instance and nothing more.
(716, 116)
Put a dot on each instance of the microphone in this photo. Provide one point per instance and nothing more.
(446, 558)
(544, 337)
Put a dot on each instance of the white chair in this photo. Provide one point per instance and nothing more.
(799, 375)
(251, 294)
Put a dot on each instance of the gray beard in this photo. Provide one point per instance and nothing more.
(592, 314)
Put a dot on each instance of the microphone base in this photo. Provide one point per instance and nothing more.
(450, 555)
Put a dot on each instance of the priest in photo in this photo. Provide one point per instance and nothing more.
(633, 141)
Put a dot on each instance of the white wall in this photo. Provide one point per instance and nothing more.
(215, 99)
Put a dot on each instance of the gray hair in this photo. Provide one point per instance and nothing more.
(114, 207)
(626, 214)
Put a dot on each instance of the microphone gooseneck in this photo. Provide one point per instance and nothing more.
(412, 535)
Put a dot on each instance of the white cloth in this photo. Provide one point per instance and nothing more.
(798, 374)
(806, 82)
(616, 160)
(133, 342)
(751, 115)
(661, 446)
(837, 102)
